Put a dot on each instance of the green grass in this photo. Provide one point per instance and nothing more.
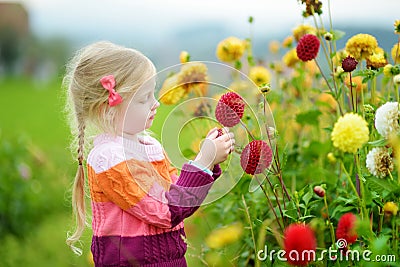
(34, 110)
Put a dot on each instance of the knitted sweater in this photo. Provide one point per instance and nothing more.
(139, 202)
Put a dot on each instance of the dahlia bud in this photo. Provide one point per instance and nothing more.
(331, 157)
(319, 191)
(396, 79)
(387, 70)
(369, 113)
(308, 47)
(184, 57)
(271, 131)
(349, 64)
(339, 71)
(328, 36)
(265, 88)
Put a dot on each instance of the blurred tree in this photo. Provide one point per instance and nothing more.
(14, 30)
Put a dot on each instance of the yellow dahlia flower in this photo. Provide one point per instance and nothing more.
(396, 53)
(377, 59)
(350, 133)
(241, 86)
(302, 30)
(230, 49)
(274, 47)
(193, 77)
(224, 236)
(171, 91)
(361, 46)
(391, 208)
(287, 42)
(277, 66)
(184, 57)
(290, 58)
(397, 26)
(259, 75)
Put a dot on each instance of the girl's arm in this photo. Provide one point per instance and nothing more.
(129, 188)
(135, 185)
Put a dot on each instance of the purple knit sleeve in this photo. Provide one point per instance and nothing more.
(186, 196)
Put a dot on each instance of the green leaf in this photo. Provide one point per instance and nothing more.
(290, 212)
(340, 210)
(380, 185)
(308, 196)
(309, 117)
(381, 142)
(337, 35)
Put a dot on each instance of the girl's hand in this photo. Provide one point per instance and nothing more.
(215, 149)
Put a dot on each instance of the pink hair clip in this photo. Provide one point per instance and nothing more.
(108, 83)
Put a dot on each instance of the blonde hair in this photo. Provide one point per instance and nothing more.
(87, 105)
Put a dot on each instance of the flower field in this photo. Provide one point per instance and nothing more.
(314, 176)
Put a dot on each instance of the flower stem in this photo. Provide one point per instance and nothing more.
(329, 221)
(349, 179)
(269, 202)
(246, 209)
(361, 187)
(353, 108)
(276, 197)
(373, 90)
(247, 130)
(329, 86)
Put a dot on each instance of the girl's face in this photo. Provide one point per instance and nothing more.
(140, 110)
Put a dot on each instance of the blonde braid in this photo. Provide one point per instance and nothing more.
(78, 194)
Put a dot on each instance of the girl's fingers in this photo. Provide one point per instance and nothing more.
(212, 133)
(213, 130)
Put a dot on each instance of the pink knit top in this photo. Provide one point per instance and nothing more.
(139, 202)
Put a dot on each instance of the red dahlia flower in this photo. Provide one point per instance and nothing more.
(346, 228)
(256, 157)
(308, 47)
(349, 64)
(299, 242)
(230, 109)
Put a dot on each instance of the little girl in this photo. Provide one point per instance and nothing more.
(138, 200)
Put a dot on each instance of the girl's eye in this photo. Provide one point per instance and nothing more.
(144, 99)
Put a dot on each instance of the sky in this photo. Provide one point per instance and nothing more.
(152, 25)
(75, 16)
